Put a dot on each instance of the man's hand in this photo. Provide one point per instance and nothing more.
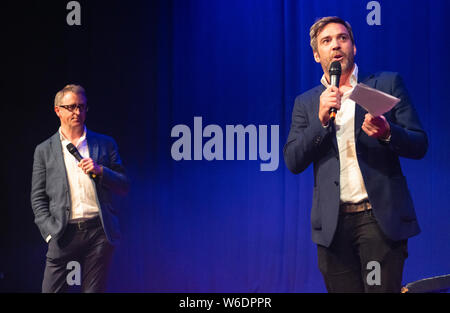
(376, 127)
(330, 98)
(89, 166)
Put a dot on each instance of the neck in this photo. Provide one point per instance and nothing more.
(345, 77)
(72, 133)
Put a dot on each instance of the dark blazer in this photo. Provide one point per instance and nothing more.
(309, 142)
(50, 193)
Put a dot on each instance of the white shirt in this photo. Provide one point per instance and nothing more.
(83, 194)
(352, 186)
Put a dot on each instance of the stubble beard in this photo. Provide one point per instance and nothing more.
(347, 63)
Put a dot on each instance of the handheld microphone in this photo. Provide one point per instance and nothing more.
(335, 76)
(74, 151)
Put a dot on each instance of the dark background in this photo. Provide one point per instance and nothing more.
(113, 55)
(207, 226)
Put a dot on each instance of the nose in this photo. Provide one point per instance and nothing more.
(76, 111)
(79, 109)
(335, 45)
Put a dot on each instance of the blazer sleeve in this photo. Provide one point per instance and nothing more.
(408, 139)
(305, 136)
(114, 175)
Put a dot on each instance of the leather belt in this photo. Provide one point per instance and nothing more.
(86, 224)
(355, 207)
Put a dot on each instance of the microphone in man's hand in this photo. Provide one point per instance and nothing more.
(335, 76)
(74, 151)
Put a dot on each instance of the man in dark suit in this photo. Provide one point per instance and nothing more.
(71, 200)
(362, 212)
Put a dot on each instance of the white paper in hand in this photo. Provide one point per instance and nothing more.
(374, 101)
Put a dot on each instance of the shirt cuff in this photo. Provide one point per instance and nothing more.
(388, 139)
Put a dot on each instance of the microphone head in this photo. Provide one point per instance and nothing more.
(74, 151)
(335, 68)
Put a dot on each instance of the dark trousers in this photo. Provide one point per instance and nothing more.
(86, 246)
(348, 264)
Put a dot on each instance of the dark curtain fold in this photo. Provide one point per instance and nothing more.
(226, 226)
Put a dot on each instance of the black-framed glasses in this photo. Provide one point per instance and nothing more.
(73, 107)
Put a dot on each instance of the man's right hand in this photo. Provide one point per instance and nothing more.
(330, 98)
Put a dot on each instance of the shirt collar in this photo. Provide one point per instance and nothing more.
(353, 78)
(63, 138)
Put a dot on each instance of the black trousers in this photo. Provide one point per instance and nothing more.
(361, 258)
(87, 247)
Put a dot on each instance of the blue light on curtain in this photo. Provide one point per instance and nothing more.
(226, 226)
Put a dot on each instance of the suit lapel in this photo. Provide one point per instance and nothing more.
(360, 112)
(359, 119)
(57, 152)
(92, 146)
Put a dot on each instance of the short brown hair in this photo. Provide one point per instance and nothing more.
(76, 89)
(317, 27)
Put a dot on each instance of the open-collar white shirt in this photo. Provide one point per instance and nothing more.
(83, 195)
(352, 188)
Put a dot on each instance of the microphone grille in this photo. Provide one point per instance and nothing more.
(335, 68)
(71, 148)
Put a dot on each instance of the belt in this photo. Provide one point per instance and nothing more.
(355, 207)
(86, 224)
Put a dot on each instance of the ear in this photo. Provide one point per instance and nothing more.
(354, 50)
(57, 111)
(316, 56)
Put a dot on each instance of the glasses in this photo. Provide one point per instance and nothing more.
(73, 107)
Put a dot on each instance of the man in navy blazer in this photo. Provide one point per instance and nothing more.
(362, 213)
(72, 201)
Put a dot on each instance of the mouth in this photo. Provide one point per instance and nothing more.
(338, 57)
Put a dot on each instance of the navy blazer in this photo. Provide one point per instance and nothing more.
(50, 193)
(309, 142)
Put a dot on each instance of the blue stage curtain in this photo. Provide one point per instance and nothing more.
(226, 226)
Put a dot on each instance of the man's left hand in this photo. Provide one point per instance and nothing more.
(376, 127)
(89, 166)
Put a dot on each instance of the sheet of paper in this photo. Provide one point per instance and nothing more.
(374, 101)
